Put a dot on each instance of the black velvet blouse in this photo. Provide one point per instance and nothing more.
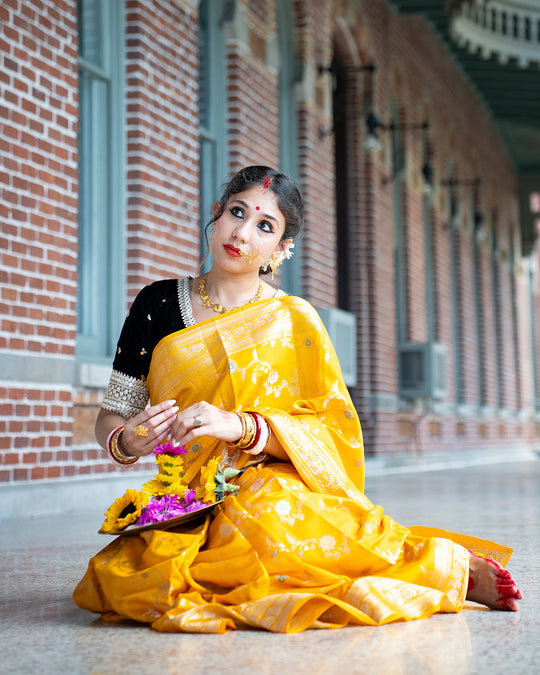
(155, 313)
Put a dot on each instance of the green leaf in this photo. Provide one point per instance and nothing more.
(230, 473)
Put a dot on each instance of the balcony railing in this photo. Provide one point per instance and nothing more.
(507, 29)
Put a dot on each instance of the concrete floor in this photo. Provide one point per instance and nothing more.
(42, 631)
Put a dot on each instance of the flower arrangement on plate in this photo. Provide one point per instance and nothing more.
(166, 500)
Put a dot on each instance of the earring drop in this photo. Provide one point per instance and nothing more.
(275, 260)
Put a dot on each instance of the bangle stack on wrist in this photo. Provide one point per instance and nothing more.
(249, 431)
(255, 433)
(114, 448)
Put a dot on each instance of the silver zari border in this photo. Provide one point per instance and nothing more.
(125, 395)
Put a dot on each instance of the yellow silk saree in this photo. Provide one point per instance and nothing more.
(299, 545)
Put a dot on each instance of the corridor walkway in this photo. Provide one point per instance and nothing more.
(42, 559)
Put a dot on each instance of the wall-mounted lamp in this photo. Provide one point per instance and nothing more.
(375, 124)
(427, 174)
(474, 184)
(427, 167)
(478, 221)
(335, 69)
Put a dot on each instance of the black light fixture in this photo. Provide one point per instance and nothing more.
(474, 184)
(333, 69)
(427, 167)
(374, 124)
(427, 174)
(478, 221)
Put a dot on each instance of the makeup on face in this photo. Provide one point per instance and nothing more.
(250, 226)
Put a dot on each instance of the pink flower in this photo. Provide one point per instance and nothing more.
(161, 509)
(169, 449)
(189, 497)
(195, 506)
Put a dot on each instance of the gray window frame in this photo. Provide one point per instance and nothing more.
(291, 272)
(101, 283)
(213, 164)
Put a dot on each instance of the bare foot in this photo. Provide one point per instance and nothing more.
(492, 585)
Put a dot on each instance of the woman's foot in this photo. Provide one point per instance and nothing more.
(492, 585)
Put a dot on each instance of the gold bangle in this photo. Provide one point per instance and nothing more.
(116, 452)
(249, 431)
(235, 444)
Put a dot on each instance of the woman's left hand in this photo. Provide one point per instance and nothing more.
(204, 419)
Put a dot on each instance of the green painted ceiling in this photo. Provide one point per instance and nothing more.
(511, 93)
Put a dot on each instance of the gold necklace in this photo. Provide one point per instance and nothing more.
(216, 306)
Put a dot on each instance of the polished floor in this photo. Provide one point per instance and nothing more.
(43, 558)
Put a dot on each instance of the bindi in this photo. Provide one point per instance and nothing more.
(257, 208)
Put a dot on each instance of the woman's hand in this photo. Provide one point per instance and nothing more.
(147, 429)
(204, 419)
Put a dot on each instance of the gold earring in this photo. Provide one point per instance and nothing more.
(271, 263)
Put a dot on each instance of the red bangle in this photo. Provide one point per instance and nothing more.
(257, 434)
(109, 437)
(115, 451)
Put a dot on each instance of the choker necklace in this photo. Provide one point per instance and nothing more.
(216, 306)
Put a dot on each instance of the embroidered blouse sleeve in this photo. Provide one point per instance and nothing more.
(126, 393)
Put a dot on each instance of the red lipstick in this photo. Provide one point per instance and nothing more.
(232, 250)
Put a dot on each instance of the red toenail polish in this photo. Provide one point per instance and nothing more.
(471, 584)
(506, 591)
(495, 564)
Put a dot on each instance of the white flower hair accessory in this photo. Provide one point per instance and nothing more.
(275, 261)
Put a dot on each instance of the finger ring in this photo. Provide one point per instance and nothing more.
(196, 422)
(140, 431)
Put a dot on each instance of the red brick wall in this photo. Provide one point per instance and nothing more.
(38, 212)
(162, 141)
(253, 113)
(315, 154)
(463, 137)
(47, 429)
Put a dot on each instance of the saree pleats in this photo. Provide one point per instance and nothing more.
(280, 557)
(300, 545)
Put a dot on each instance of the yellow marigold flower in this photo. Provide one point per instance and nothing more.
(154, 488)
(170, 475)
(210, 469)
(209, 495)
(208, 482)
(124, 511)
(170, 464)
(173, 487)
(164, 485)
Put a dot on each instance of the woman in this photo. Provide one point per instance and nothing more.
(235, 370)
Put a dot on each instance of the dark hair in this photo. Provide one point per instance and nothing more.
(288, 195)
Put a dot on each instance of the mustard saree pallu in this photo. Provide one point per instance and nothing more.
(299, 545)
